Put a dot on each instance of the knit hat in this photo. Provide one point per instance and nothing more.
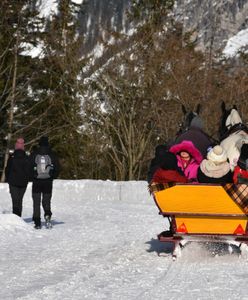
(169, 161)
(19, 145)
(243, 158)
(217, 154)
(160, 150)
(44, 141)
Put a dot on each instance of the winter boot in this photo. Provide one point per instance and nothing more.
(37, 223)
(48, 222)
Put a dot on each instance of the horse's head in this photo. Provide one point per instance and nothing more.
(230, 118)
(191, 118)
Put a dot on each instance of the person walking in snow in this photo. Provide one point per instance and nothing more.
(17, 176)
(44, 169)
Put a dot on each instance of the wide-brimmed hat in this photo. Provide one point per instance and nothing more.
(217, 154)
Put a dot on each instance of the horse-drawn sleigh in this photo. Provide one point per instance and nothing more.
(204, 213)
(207, 212)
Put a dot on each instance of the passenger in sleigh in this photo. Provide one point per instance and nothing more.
(160, 152)
(240, 175)
(169, 170)
(216, 168)
(188, 159)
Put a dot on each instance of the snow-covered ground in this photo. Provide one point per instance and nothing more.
(103, 246)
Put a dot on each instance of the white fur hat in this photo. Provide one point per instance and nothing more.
(217, 154)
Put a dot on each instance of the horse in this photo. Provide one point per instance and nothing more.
(191, 118)
(191, 129)
(233, 133)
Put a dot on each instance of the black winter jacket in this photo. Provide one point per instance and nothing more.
(17, 169)
(43, 150)
(202, 178)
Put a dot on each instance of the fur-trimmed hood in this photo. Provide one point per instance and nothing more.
(189, 147)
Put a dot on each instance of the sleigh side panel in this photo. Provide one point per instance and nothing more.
(202, 209)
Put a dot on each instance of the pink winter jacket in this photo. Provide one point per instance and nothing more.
(191, 170)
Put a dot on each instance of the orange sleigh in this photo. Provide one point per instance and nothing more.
(201, 212)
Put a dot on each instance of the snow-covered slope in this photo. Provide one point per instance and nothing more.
(237, 43)
(219, 24)
(213, 22)
(103, 246)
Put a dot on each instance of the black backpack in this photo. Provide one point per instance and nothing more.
(44, 166)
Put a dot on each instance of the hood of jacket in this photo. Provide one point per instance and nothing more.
(189, 147)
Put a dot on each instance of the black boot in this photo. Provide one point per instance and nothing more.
(37, 223)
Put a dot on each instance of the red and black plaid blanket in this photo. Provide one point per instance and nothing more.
(156, 187)
(238, 192)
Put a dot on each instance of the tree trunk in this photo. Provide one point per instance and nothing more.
(11, 111)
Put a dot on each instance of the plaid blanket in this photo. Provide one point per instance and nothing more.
(156, 187)
(238, 192)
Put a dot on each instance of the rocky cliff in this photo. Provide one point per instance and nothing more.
(101, 17)
(213, 22)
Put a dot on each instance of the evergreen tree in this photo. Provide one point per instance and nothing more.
(17, 32)
(61, 79)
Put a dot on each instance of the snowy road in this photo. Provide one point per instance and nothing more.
(103, 246)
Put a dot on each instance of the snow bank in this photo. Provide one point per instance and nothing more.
(98, 190)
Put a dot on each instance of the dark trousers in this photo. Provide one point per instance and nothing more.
(17, 194)
(41, 193)
(46, 204)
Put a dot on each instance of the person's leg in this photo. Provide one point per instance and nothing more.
(36, 208)
(46, 203)
(36, 195)
(15, 199)
(17, 194)
(22, 191)
(46, 198)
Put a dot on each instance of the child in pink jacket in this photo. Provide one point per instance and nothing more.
(188, 159)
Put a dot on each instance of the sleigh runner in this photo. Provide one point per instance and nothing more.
(203, 213)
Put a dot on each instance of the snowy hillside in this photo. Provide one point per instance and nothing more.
(103, 246)
(223, 24)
